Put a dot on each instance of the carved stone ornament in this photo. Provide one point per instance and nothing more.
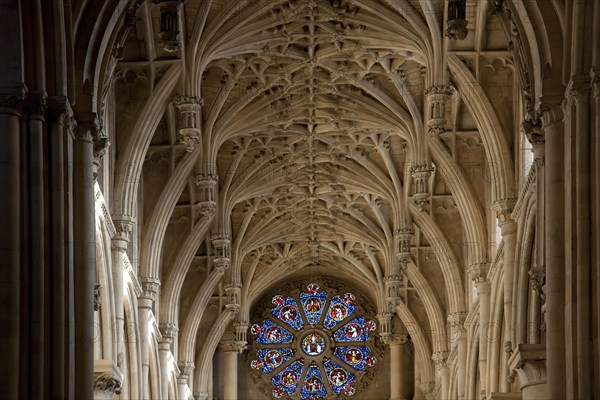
(107, 379)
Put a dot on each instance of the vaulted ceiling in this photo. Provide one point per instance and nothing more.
(315, 122)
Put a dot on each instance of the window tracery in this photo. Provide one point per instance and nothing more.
(313, 344)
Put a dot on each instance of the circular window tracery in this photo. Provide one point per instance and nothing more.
(313, 345)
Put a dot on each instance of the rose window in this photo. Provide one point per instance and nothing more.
(313, 345)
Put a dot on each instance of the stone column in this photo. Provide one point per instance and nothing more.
(508, 228)
(36, 107)
(459, 336)
(186, 369)
(164, 350)
(397, 371)
(439, 359)
(231, 349)
(60, 116)
(145, 308)
(84, 252)
(120, 241)
(10, 237)
(553, 126)
(528, 361)
(478, 274)
(579, 93)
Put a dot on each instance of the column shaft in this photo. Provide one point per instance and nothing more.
(555, 257)
(397, 372)
(144, 307)
(10, 242)
(36, 240)
(230, 360)
(58, 260)
(84, 253)
(484, 331)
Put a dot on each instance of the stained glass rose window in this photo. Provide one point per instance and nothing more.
(313, 345)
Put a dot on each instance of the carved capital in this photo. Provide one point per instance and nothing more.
(478, 274)
(206, 180)
(123, 228)
(13, 97)
(60, 111)
(168, 330)
(550, 111)
(595, 83)
(186, 368)
(107, 379)
(36, 103)
(439, 359)
(534, 132)
(578, 89)
(528, 362)
(396, 340)
(457, 321)
(233, 346)
(150, 286)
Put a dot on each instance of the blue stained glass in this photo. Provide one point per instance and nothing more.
(289, 377)
(313, 386)
(353, 331)
(273, 358)
(337, 376)
(354, 356)
(313, 304)
(288, 313)
(272, 333)
(338, 311)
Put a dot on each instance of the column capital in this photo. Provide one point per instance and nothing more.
(150, 286)
(503, 209)
(168, 330)
(578, 89)
(237, 346)
(595, 82)
(478, 274)
(60, 111)
(123, 227)
(13, 97)
(37, 103)
(202, 396)
(457, 320)
(398, 339)
(185, 369)
(550, 110)
(528, 361)
(107, 379)
(439, 359)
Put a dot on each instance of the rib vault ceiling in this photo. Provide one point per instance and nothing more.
(314, 126)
